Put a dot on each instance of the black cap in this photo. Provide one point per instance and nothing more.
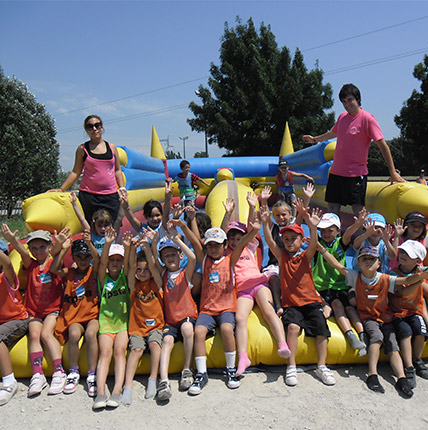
(415, 216)
(283, 163)
(80, 247)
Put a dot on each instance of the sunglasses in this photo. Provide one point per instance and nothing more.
(97, 125)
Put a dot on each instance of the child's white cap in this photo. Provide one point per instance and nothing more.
(414, 249)
(116, 249)
(215, 234)
(329, 219)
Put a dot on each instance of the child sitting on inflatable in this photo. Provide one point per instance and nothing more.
(330, 283)
(13, 324)
(300, 302)
(369, 291)
(79, 312)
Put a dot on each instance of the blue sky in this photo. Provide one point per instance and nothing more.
(152, 55)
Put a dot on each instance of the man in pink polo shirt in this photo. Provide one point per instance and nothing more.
(354, 129)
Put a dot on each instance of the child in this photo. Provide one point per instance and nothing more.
(285, 184)
(180, 309)
(408, 313)
(13, 325)
(186, 181)
(218, 302)
(43, 298)
(114, 316)
(414, 227)
(146, 319)
(300, 302)
(101, 221)
(331, 284)
(369, 289)
(79, 313)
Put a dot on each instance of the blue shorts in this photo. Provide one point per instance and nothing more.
(213, 321)
(175, 331)
(413, 325)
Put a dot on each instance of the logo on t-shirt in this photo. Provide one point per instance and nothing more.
(354, 130)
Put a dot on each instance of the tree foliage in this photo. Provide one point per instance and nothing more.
(413, 118)
(28, 149)
(257, 88)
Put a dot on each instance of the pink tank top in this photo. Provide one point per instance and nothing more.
(99, 175)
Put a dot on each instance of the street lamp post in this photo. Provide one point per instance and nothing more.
(198, 93)
(184, 138)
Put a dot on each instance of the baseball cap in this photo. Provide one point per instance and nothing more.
(116, 249)
(167, 243)
(39, 234)
(283, 163)
(294, 227)
(414, 249)
(80, 247)
(422, 171)
(378, 219)
(415, 216)
(236, 225)
(329, 219)
(4, 246)
(369, 250)
(215, 234)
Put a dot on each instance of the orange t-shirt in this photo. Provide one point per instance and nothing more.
(44, 290)
(80, 303)
(297, 285)
(218, 294)
(146, 312)
(11, 307)
(179, 303)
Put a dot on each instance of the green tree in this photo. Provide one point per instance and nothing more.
(28, 149)
(170, 154)
(200, 154)
(413, 118)
(257, 88)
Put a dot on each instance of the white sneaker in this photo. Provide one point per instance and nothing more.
(71, 383)
(6, 393)
(324, 373)
(91, 382)
(57, 383)
(291, 376)
(37, 383)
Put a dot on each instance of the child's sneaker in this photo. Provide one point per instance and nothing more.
(57, 383)
(403, 387)
(37, 384)
(232, 380)
(201, 379)
(71, 383)
(291, 376)
(324, 373)
(6, 393)
(186, 380)
(113, 401)
(164, 391)
(421, 369)
(410, 373)
(100, 402)
(91, 382)
(374, 384)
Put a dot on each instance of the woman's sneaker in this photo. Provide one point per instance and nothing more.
(37, 384)
(91, 382)
(201, 379)
(232, 380)
(71, 383)
(57, 383)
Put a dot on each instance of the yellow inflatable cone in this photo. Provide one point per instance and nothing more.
(287, 144)
(156, 149)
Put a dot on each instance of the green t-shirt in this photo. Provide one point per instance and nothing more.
(115, 304)
(325, 277)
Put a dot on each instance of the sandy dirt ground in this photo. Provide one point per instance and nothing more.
(262, 402)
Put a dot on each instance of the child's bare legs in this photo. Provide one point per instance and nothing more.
(131, 366)
(75, 332)
(167, 345)
(265, 301)
(228, 337)
(244, 307)
(293, 331)
(321, 342)
(406, 351)
(188, 334)
(91, 339)
(5, 361)
(48, 338)
(374, 352)
(119, 352)
(106, 349)
(200, 349)
(275, 287)
(355, 319)
(418, 346)
(155, 353)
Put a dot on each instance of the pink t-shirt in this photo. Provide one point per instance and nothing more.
(354, 134)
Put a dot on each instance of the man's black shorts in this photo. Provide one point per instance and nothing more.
(346, 191)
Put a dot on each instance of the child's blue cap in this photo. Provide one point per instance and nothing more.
(369, 250)
(3, 246)
(167, 243)
(378, 219)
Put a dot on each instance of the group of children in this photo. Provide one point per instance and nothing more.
(179, 281)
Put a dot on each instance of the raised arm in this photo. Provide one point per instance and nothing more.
(135, 223)
(408, 284)
(60, 238)
(73, 199)
(353, 228)
(57, 261)
(312, 220)
(391, 251)
(151, 262)
(8, 270)
(303, 175)
(370, 229)
(126, 242)
(265, 216)
(252, 203)
(22, 250)
(169, 189)
(229, 206)
(102, 269)
(86, 236)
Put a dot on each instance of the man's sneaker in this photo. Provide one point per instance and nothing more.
(71, 383)
(91, 382)
(6, 393)
(323, 372)
(186, 380)
(291, 376)
(164, 391)
(232, 380)
(421, 369)
(403, 387)
(201, 379)
(57, 383)
(410, 373)
(37, 383)
(100, 402)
